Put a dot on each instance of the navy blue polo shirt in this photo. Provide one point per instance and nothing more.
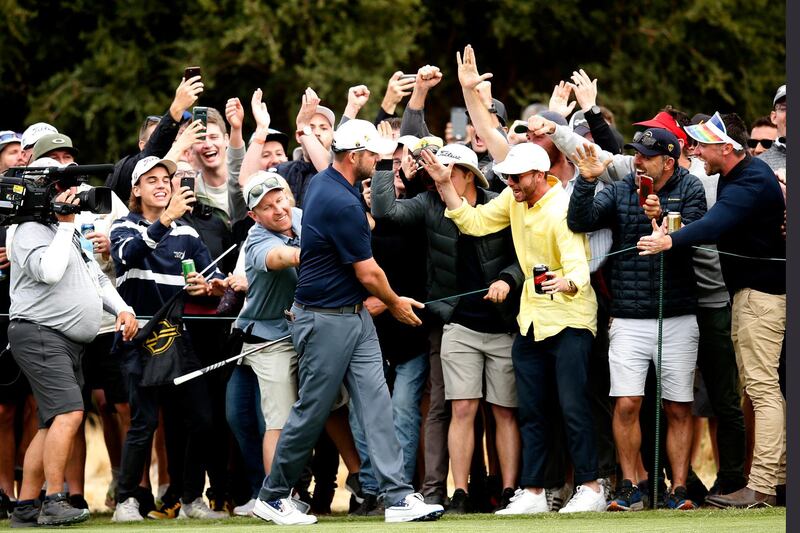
(335, 235)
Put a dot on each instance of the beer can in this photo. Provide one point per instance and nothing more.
(188, 266)
(87, 228)
(539, 277)
(673, 221)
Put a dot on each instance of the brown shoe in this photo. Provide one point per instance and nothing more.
(742, 498)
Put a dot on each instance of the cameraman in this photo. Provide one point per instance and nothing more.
(58, 294)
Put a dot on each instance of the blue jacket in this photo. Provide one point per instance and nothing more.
(634, 278)
(148, 259)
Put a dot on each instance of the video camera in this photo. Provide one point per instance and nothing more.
(27, 194)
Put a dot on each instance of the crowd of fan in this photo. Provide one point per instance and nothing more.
(497, 349)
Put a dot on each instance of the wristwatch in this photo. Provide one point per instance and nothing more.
(305, 131)
(594, 110)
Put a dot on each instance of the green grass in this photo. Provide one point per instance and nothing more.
(704, 520)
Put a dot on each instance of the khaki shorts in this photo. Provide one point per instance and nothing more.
(276, 370)
(468, 355)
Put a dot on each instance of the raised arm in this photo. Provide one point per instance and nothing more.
(585, 90)
(252, 158)
(413, 123)
(312, 147)
(484, 122)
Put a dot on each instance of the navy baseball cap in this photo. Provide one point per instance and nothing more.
(656, 141)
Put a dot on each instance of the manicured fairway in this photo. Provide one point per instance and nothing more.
(704, 520)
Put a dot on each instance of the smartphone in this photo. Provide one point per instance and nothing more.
(458, 118)
(201, 114)
(408, 77)
(645, 188)
(191, 72)
(188, 182)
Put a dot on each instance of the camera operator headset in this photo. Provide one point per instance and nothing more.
(58, 294)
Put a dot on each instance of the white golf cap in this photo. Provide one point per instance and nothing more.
(148, 163)
(259, 185)
(327, 113)
(408, 140)
(47, 162)
(34, 132)
(780, 94)
(523, 158)
(458, 154)
(357, 134)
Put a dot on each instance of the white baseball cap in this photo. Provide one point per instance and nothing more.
(780, 94)
(259, 185)
(34, 132)
(148, 163)
(357, 134)
(523, 158)
(458, 154)
(327, 113)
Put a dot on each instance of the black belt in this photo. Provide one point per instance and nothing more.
(345, 310)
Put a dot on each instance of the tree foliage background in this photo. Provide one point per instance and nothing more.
(96, 69)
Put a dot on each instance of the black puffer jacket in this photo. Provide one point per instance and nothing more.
(634, 278)
(496, 251)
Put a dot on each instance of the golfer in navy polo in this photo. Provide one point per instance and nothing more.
(334, 335)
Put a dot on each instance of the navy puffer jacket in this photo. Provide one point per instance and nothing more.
(634, 278)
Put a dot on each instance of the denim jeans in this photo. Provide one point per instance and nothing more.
(407, 381)
(558, 362)
(243, 411)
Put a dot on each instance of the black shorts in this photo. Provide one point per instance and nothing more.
(52, 364)
(102, 369)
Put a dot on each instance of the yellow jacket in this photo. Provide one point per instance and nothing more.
(541, 236)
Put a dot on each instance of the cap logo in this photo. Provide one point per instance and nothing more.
(670, 147)
(447, 153)
(58, 141)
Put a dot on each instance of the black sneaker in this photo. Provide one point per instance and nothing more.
(505, 498)
(146, 500)
(380, 507)
(5, 505)
(78, 501)
(25, 516)
(459, 503)
(56, 511)
(370, 501)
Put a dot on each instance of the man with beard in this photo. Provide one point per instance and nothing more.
(334, 335)
(635, 301)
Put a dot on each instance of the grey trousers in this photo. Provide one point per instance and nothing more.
(331, 349)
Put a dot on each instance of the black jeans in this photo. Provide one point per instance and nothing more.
(716, 360)
(192, 402)
(559, 361)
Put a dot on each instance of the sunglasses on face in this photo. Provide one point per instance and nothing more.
(259, 189)
(516, 177)
(766, 143)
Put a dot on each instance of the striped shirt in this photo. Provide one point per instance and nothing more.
(147, 257)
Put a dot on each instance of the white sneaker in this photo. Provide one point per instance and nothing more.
(283, 512)
(526, 502)
(199, 509)
(585, 500)
(127, 511)
(413, 508)
(245, 509)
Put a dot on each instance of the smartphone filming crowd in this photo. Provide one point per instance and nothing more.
(534, 307)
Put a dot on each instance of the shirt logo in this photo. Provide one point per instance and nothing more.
(180, 255)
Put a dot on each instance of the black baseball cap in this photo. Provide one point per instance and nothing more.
(656, 141)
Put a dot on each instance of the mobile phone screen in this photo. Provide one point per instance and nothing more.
(458, 118)
(188, 182)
